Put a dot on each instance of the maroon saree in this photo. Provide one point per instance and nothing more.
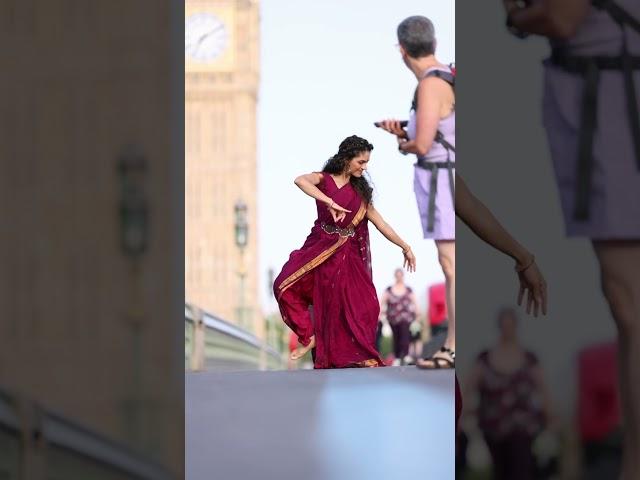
(332, 272)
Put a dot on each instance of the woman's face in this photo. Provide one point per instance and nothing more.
(358, 164)
(399, 275)
(508, 325)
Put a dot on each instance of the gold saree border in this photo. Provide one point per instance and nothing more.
(369, 363)
(322, 257)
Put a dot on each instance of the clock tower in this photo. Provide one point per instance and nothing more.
(221, 87)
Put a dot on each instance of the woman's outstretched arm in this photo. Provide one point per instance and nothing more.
(482, 222)
(389, 233)
(308, 184)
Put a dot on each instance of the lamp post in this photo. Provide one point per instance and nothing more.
(270, 327)
(134, 218)
(133, 212)
(241, 237)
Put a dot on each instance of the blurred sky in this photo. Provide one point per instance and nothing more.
(329, 70)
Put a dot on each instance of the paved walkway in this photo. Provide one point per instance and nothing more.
(352, 424)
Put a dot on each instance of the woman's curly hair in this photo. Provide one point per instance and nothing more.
(350, 148)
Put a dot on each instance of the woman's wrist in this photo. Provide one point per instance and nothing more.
(524, 261)
(405, 248)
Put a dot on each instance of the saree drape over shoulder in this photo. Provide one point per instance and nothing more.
(325, 288)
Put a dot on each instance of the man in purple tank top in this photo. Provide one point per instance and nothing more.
(591, 83)
(430, 136)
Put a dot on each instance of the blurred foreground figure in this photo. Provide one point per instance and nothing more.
(485, 226)
(513, 402)
(593, 128)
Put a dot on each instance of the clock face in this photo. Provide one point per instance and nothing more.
(206, 37)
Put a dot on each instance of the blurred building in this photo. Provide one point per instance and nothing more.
(221, 87)
(91, 239)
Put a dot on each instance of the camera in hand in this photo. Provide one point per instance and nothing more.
(403, 124)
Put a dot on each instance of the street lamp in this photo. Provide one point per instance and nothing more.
(241, 225)
(134, 218)
(241, 237)
(133, 212)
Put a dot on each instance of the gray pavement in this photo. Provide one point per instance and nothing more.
(352, 424)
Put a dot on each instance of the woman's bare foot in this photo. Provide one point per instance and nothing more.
(302, 350)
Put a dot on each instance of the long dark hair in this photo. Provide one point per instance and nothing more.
(350, 148)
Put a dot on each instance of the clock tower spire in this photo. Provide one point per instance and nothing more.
(221, 87)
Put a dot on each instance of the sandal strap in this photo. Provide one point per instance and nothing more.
(452, 353)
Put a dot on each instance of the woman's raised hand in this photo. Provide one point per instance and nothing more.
(409, 260)
(393, 126)
(532, 282)
(337, 212)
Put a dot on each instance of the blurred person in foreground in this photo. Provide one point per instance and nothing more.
(591, 116)
(332, 270)
(400, 307)
(513, 401)
(485, 226)
(430, 136)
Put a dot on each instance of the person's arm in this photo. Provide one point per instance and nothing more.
(470, 389)
(545, 393)
(385, 229)
(550, 18)
(416, 309)
(383, 304)
(308, 184)
(431, 92)
(482, 222)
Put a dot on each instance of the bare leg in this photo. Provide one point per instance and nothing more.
(447, 258)
(294, 308)
(620, 276)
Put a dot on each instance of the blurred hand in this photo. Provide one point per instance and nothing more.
(533, 283)
(337, 212)
(409, 260)
(393, 126)
(511, 5)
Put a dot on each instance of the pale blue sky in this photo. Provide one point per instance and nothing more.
(328, 70)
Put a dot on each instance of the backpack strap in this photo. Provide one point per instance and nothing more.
(619, 14)
(446, 76)
(590, 68)
(450, 78)
(441, 140)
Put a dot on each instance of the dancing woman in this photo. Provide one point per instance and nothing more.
(332, 270)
